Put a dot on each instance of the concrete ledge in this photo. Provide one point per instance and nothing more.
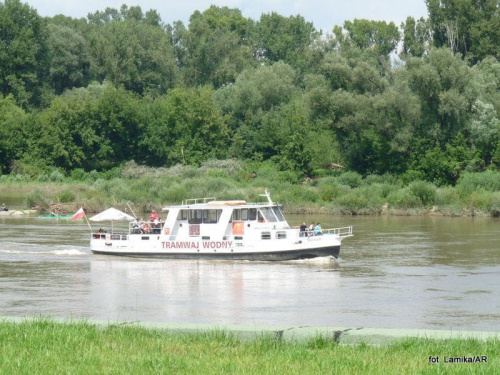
(342, 335)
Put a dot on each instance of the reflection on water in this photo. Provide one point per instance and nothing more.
(397, 272)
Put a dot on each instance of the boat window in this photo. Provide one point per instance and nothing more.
(211, 216)
(252, 214)
(183, 215)
(236, 216)
(265, 235)
(278, 214)
(280, 235)
(244, 214)
(195, 216)
(268, 214)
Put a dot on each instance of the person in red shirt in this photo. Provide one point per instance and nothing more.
(153, 216)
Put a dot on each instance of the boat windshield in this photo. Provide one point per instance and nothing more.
(278, 213)
(268, 214)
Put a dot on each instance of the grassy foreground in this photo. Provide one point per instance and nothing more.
(47, 347)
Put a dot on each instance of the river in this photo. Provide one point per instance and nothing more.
(396, 272)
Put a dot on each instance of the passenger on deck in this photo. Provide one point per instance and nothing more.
(141, 225)
(135, 227)
(145, 226)
(303, 230)
(311, 229)
(318, 231)
(153, 216)
(4, 208)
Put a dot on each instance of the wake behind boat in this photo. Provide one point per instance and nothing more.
(209, 229)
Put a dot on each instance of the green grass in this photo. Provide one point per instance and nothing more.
(47, 347)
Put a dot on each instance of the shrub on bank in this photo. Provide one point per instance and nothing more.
(348, 192)
(37, 198)
(470, 182)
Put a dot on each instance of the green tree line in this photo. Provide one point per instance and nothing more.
(420, 101)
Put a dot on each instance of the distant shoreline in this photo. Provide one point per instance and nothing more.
(329, 195)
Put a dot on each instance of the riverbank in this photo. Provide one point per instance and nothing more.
(48, 346)
(141, 189)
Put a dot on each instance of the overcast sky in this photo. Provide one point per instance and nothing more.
(324, 14)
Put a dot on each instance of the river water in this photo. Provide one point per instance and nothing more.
(397, 272)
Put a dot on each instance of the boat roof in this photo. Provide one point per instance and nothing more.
(212, 202)
(219, 204)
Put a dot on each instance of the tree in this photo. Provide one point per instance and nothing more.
(258, 89)
(185, 126)
(380, 36)
(70, 60)
(23, 53)
(469, 27)
(284, 39)
(216, 46)
(484, 129)
(134, 54)
(11, 136)
(416, 37)
(92, 128)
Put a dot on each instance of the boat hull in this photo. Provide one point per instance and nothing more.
(333, 251)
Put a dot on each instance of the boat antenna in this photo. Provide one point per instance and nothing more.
(268, 196)
(133, 213)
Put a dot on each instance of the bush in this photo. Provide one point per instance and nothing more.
(411, 175)
(352, 204)
(37, 199)
(351, 179)
(288, 176)
(329, 192)
(78, 174)
(66, 196)
(383, 179)
(424, 191)
(447, 196)
(56, 176)
(230, 166)
(470, 182)
(480, 200)
(403, 198)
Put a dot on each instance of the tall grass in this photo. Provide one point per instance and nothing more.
(46, 347)
(348, 193)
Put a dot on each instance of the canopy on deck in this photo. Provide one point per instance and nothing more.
(112, 214)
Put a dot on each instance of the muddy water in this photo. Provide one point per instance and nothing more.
(397, 272)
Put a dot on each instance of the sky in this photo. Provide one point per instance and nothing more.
(324, 14)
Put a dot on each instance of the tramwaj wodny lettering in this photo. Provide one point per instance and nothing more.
(209, 229)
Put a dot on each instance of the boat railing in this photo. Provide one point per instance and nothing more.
(192, 201)
(110, 236)
(146, 227)
(341, 232)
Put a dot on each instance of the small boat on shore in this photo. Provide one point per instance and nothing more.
(18, 212)
(205, 228)
(54, 217)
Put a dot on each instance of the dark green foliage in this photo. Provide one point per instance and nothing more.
(469, 27)
(86, 96)
(377, 35)
(23, 52)
(185, 126)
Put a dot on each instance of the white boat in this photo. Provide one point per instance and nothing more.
(205, 228)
